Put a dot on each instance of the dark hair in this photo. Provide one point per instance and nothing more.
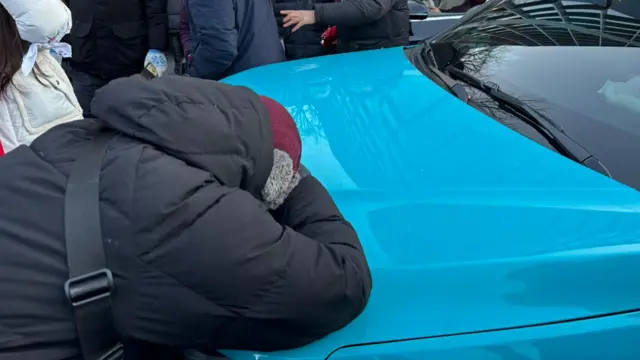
(12, 49)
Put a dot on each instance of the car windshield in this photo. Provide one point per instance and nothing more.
(575, 62)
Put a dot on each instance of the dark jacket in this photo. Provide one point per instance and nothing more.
(231, 36)
(197, 259)
(110, 38)
(306, 42)
(183, 29)
(367, 24)
(173, 13)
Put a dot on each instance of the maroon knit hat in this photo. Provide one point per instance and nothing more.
(285, 132)
(286, 154)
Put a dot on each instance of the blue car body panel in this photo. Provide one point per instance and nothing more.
(612, 337)
(468, 226)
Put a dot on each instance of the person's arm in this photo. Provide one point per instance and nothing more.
(157, 22)
(235, 278)
(325, 279)
(183, 29)
(216, 44)
(351, 13)
(39, 21)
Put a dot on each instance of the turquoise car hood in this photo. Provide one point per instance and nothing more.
(468, 226)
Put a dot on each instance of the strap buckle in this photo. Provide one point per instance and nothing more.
(89, 287)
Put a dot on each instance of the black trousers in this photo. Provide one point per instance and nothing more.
(85, 86)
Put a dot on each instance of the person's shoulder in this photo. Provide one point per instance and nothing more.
(62, 143)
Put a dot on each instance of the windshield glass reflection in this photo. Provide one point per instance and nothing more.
(575, 61)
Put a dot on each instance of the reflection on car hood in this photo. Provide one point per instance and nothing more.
(467, 225)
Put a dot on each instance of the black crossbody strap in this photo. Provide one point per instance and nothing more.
(90, 281)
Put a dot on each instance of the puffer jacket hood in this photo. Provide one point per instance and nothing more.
(236, 149)
(39, 21)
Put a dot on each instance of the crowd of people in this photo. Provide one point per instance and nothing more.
(217, 40)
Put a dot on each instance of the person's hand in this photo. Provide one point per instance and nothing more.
(436, 10)
(157, 59)
(299, 18)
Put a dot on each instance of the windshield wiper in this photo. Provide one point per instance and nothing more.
(548, 128)
(431, 66)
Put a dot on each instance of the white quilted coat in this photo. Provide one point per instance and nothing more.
(30, 107)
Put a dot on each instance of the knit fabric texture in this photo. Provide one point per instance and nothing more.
(286, 155)
(281, 181)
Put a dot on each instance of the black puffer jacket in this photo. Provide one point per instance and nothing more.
(110, 38)
(198, 261)
(305, 42)
(367, 24)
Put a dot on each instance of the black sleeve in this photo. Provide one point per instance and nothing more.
(310, 211)
(352, 13)
(328, 280)
(157, 22)
(222, 273)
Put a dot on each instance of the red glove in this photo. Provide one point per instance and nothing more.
(1, 150)
(330, 37)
